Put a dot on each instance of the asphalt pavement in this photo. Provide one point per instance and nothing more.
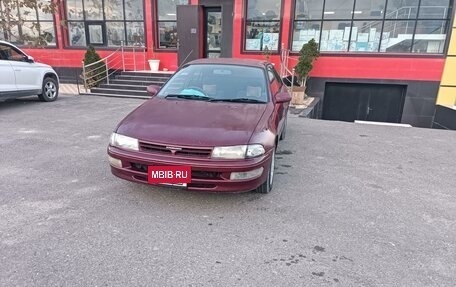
(352, 205)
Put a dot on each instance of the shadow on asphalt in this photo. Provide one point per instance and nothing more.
(169, 195)
(16, 103)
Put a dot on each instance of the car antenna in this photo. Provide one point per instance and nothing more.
(183, 62)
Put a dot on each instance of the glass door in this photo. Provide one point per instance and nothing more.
(213, 32)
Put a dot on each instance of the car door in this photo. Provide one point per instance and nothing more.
(28, 74)
(275, 84)
(7, 78)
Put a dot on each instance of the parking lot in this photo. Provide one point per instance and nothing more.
(352, 205)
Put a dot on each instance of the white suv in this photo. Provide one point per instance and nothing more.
(21, 76)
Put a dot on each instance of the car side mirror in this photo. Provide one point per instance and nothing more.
(153, 89)
(283, 97)
(29, 59)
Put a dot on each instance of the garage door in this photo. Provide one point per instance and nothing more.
(366, 102)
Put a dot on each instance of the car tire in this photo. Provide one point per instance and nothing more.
(266, 187)
(49, 91)
(284, 130)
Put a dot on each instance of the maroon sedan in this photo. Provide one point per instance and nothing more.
(220, 118)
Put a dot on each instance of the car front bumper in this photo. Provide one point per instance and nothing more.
(207, 174)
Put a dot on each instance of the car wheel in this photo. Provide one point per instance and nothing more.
(267, 185)
(50, 90)
(284, 130)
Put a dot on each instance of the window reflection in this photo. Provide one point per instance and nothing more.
(365, 36)
(116, 33)
(77, 33)
(30, 26)
(304, 32)
(93, 9)
(308, 10)
(369, 9)
(114, 8)
(263, 10)
(263, 25)
(430, 36)
(335, 36)
(434, 9)
(360, 28)
(74, 10)
(135, 33)
(134, 10)
(407, 9)
(338, 9)
(166, 23)
(397, 36)
(118, 26)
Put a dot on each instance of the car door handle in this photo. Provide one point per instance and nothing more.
(17, 70)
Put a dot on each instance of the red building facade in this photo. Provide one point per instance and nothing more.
(362, 43)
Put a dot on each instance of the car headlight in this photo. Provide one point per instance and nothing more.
(124, 142)
(238, 152)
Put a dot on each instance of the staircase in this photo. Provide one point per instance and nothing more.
(132, 84)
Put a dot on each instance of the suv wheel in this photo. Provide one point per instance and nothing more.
(50, 90)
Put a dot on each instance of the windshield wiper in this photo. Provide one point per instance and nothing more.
(188, 97)
(239, 100)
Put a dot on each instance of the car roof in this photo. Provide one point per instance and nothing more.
(230, 61)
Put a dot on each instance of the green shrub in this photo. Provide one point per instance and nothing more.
(307, 55)
(96, 73)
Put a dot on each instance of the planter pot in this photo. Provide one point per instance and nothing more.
(154, 64)
(298, 95)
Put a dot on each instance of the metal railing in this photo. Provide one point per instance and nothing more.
(284, 63)
(125, 58)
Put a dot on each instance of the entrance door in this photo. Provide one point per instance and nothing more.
(212, 32)
(189, 33)
(199, 30)
(366, 102)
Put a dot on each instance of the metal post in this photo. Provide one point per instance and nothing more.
(84, 76)
(134, 57)
(107, 71)
(123, 57)
(144, 58)
(292, 81)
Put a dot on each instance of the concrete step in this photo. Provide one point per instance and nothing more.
(148, 74)
(123, 87)
(135, 83)
(119, 92)
(141, 78)
(115, 96)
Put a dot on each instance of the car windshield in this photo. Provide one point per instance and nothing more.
(217, 82)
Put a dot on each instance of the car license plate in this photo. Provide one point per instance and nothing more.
(169, 175)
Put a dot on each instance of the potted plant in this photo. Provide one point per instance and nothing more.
(154, 63)
(307, 55)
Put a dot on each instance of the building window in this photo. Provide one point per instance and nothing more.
(262, 25)
(413, 26)
(31, 24)
(105, 22)
(166, 23)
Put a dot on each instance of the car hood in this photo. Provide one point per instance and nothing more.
(41, 65)
(192, 123)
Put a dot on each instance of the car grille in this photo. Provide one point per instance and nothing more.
(179, 151)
